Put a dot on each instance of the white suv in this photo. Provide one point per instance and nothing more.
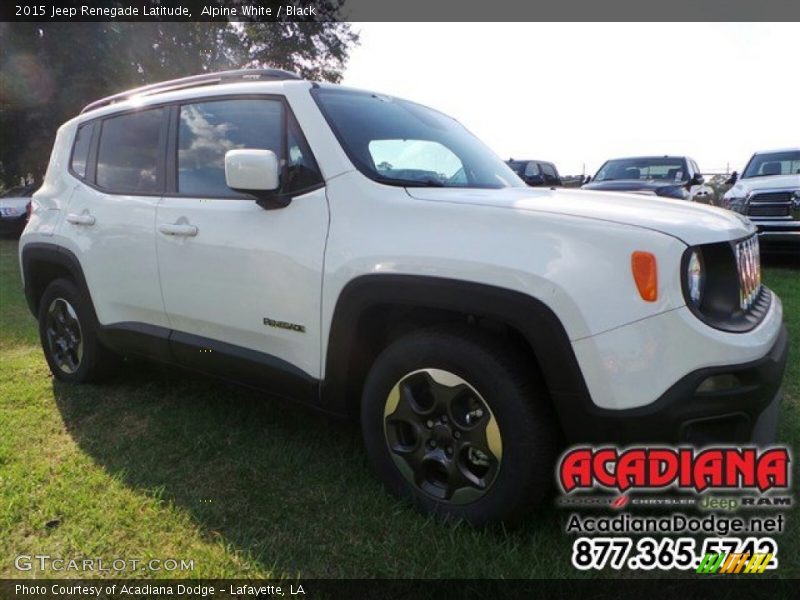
(370, 257)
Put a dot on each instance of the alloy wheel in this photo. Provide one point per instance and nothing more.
(64, 336)
(442, 435)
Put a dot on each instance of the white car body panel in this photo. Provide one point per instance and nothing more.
(244, 265)
(630, 366)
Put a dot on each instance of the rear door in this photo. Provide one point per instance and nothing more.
(241, 284)
(118, 163)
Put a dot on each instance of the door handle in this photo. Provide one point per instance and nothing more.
(178, 229)
(84, 219)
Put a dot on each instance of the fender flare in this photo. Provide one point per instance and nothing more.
(42, 252)
(537, 323)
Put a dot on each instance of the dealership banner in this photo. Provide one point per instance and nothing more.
(313, 589)
(408, 10)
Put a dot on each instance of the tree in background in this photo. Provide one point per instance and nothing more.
(50, 71)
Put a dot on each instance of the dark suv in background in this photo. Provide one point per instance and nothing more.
(667, 176)
(536, 172)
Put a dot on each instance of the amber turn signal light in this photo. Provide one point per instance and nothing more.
(645, 274)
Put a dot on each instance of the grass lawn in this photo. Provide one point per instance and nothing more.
(159, 464)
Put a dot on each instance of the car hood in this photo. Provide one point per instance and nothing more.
(750, 184)
(631, 185)
(691, 222)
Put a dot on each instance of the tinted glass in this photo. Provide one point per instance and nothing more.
(775, 163)
(128, 156)
(80, 150)
(401, 143)
(209, 129)
(549, 170)
(303, 172)
(532, 169)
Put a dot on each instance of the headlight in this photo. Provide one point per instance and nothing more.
(695, 277)
(736, 203)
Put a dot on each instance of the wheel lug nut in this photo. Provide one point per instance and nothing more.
(432, 443)
(449, 451)
(444, 418)
(457, 435)
(429, 423)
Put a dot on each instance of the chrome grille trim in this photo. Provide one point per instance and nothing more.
(748, 264)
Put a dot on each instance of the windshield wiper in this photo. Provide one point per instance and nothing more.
(410, 182)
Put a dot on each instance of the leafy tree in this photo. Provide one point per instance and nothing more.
(50, 71)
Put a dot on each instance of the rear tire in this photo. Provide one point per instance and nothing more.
(68, 333)
(455, 421)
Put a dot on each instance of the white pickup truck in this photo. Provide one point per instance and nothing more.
(768, 192)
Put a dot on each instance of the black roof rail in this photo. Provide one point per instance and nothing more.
(195, 81)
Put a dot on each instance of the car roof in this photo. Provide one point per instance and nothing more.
(654, 156)
(796, 149)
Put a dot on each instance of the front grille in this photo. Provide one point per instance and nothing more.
(769, 211)
(748, 263)
(771, 197)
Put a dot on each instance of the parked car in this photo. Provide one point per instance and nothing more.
(14, 206)
(667, 176)
(536, 172)
(370, 257)
(768, 192)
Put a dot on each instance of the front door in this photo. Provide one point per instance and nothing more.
(241, 284)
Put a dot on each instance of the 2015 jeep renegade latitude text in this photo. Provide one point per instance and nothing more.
(369, 256)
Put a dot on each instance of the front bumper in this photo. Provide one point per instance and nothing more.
(777, 236)
(744, 412)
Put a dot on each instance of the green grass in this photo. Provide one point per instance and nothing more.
(159, 464)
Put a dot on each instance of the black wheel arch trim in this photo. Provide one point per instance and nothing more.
(55, 255)
(537, 323)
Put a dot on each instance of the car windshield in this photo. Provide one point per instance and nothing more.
(659, 169)
(401, 143)
(774, 163)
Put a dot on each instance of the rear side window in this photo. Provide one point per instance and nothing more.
(549, 170)
(80, 150)
(130, 152)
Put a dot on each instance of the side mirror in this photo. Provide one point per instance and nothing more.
(587, 179)
(732, 179)
(698, 179)
(255, 172)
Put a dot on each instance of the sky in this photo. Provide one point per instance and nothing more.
(580, 93)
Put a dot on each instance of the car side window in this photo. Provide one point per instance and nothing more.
(80, 150)
(130, 152)
(548, 170)
(531, 169)
(207, 130)
(302, 172)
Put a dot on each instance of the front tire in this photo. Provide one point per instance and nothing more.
(457, 422)
(67, 330)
